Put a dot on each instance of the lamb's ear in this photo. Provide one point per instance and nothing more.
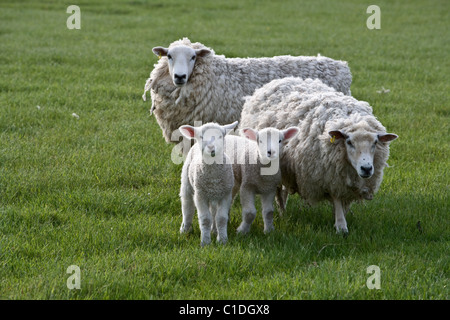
(202, 52)
(160, 51)
(229, 127)
(250, 134)
(188, 131)
(387, 137)
(289, 133)
(336, 134)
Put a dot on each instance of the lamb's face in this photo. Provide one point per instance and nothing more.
(270, 140)
(210, 137)
(361, 147)
(181, 60)
(211, 140)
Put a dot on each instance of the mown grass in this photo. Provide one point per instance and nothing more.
(101, 192)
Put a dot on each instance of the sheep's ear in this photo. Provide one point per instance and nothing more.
(160, 51)
(336, 134)
(202, 52)
(229, 127)
(289, 133)
(250, 134)
(188, 131)
(387, 137)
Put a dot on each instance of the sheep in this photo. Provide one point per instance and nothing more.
(207, 181)
(256, 171)
(191, 83)
(341, 150)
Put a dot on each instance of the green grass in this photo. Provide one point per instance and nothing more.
(101, 192)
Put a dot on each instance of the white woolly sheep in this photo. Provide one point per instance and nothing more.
(191, 83)
(256, 170)
(207, 181)
(341, 150)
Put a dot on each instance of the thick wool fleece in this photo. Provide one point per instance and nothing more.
(217, 86)
(311, 164)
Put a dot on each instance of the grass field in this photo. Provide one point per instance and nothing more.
(100, 192)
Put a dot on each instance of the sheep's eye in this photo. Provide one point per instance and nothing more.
(193, 58)
(220, 137)
(349, 143)
(279, 141)
(169, 57)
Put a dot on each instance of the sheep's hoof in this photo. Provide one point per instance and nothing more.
(222, 240)
(343, 232)
(205, 243)
(243, 230)
(183, 229)
(269, 229)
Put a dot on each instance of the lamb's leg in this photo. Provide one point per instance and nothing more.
(204, 219)
(339, 214)
(267, 210)
(282, 198)
(213, 210)
(187, 207)
(248, 210)
(221, 219)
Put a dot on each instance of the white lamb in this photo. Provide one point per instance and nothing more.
(256, 170)
(341, 150)
(207, 181)
(191, 83)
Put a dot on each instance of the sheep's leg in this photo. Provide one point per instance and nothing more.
(248, 210)
(204, 219)
(213, 210)
(221, 219)
(187, 208)
(267, 211)
(282, 198)
(339, 214)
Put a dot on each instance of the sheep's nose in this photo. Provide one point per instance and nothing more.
(180, 77)
(367, 170)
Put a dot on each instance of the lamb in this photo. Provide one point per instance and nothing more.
(207, 181)
(256, 170)
(341, 150)
(191, 83)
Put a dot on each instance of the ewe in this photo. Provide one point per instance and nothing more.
(341, 150)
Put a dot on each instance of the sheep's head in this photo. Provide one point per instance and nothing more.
(181, 61)
(270, 140)
(361, 147)
(209, 136)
